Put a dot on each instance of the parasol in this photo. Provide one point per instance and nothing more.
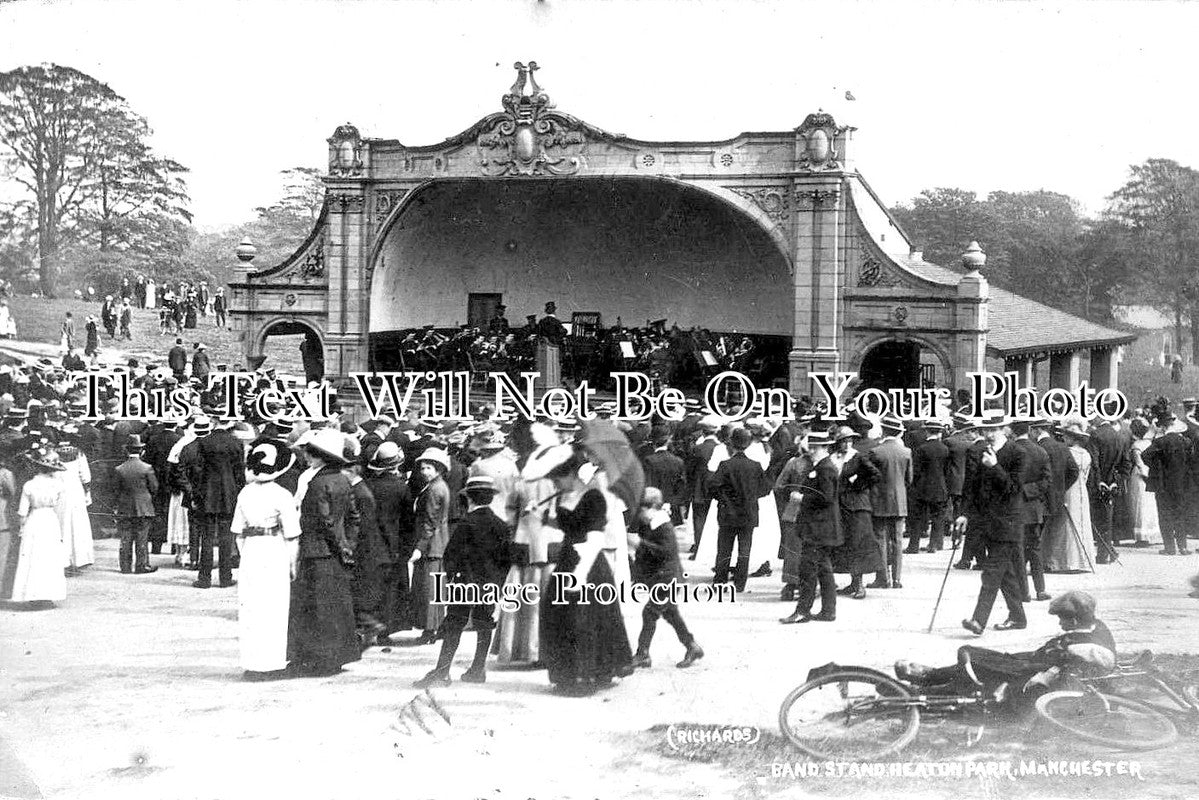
(609, 448)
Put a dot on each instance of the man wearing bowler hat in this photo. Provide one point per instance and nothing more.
(135, 509)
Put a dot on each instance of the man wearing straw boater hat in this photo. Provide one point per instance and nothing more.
(994, 510)
(135, 509)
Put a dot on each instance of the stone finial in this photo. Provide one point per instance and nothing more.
(246, 251)
(974, 259)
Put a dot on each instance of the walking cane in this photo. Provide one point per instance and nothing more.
(952, 554)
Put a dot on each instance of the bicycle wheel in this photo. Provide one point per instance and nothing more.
(1108, 720)
(849, 715)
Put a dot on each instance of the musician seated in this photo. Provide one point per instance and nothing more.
(1086, 647)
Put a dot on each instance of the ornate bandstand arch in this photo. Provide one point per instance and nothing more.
(851, 277)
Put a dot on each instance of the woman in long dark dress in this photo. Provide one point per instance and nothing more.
(320, 631)
(858, 555)
(584, 645)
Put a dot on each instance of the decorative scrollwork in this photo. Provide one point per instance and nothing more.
(773, 200)
(313, 265)
(346, 202)
(872, 273)
(386, 201)
(530, 138)
(809, 199)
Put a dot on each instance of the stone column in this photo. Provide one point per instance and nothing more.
(1023, 367)
(972, 318)
(1105, 369)
(816, 286)
(1064, 369)
(345, 339)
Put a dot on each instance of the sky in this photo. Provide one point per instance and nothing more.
(979, 95)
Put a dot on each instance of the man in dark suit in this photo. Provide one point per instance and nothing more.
(930, 493)
(1035, 480)
(396, 517)
(667, 472)
(993, 509)
(177, 360)
(1168, 459)
(699, 479)
(222, 476)
(135, 509)
(889, 499)
(819, 531)
(958, 443)
(1109, 470)
(159, 441)
(201, 365)
(737, 485)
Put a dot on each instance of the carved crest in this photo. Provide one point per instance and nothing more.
(820, 132)
(530, 137)
(345, 151)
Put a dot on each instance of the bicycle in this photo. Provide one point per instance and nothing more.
(862, 714)
(1099, 712)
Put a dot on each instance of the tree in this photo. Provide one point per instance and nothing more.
(943, 222)
(1159, 205)
(81, 154)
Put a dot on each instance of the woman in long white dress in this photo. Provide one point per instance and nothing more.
(1071, 545)
(40, 577)
(267, 525)
(764, 549)
(76, 479)
(178, 526)
(1142, 505)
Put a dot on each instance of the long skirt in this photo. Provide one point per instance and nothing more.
(1142, 508)
(39, 566)
(177, 522)
(320, 622)
(425, 614)
(263, 598)
(517, 637)
(765, 546)
(1069, 545)
(79, 550)
(585, 643)
(859, 554)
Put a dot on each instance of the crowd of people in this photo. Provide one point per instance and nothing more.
(343, 535)
(674, 356)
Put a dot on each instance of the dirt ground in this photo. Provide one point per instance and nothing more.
(131, 689)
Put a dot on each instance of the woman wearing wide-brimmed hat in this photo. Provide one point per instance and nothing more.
(1070, 546)
(40, 577)
(320, 631)
(267, 526)
(432, 535)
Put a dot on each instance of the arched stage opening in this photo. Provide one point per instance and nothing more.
(634, 250)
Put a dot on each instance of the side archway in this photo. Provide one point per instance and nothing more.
(902, 361)
(310, 347)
